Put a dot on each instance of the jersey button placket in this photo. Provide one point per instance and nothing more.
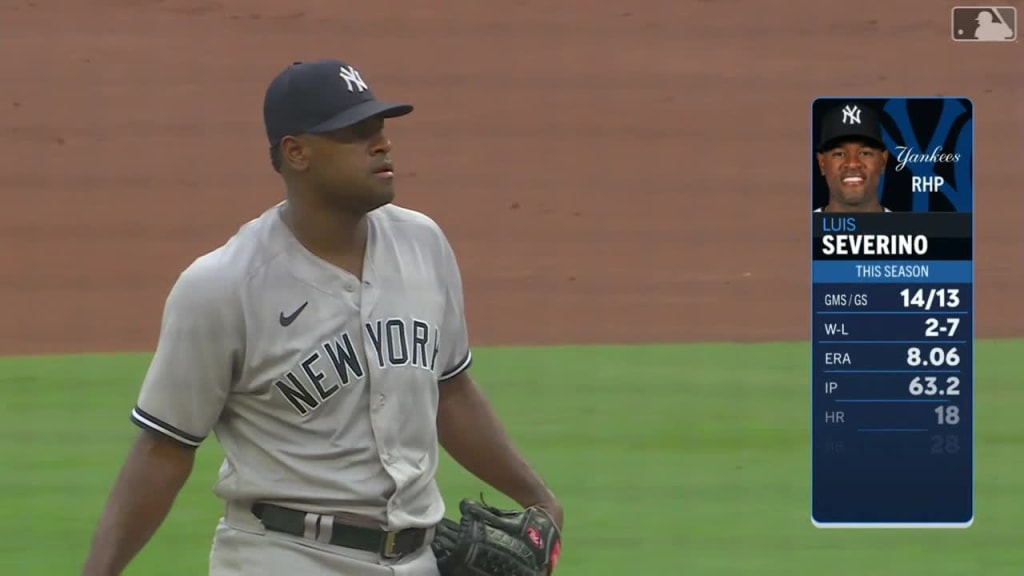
(381, 430)
(385, 455)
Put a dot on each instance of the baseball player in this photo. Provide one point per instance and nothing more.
(852, 157)
(325, 345)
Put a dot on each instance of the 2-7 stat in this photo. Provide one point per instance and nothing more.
(934, 328)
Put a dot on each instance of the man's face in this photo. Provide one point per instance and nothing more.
(853, 170)
(349, 167)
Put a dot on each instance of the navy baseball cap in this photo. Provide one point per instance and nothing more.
(319, 97)
(850, 120)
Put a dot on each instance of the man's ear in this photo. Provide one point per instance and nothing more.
(295, 153)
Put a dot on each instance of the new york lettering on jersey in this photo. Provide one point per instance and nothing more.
(318, 357)
(395, 342)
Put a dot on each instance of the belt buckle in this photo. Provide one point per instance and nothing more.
(388, 550)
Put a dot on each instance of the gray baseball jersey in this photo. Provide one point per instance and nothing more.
(321, 387)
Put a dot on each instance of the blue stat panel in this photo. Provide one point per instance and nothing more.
(892, 313)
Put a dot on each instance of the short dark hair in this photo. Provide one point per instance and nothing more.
(275, 158)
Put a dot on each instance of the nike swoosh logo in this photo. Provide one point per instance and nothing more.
(287, 320)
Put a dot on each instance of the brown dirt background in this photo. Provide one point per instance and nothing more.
(608, 172)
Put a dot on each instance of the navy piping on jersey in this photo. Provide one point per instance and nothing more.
(148, 422)
(459, 368)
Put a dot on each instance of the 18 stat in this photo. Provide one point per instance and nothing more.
(892, 370)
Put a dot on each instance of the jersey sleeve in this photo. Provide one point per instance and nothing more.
(201, 342)
(456, 356)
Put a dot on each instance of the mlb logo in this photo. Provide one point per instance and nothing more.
(984, 24)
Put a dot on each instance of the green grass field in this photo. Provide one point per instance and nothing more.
(690, 460)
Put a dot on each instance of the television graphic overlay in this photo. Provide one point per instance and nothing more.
(892, 312)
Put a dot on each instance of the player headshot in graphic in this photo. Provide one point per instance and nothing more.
(852, 158)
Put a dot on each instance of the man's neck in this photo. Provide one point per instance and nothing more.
(334, 235)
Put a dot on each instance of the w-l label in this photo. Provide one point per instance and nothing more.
(835, 329)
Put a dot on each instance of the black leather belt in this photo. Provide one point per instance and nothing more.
(323, 529)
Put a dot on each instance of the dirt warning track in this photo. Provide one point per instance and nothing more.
(619, 173)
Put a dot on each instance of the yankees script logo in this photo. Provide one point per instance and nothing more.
(905, 154)
(851, 115)
(353, 81)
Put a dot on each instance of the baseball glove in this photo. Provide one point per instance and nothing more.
(488, 541)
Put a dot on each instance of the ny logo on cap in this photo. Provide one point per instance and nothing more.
(851, 115)
(353, 81)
